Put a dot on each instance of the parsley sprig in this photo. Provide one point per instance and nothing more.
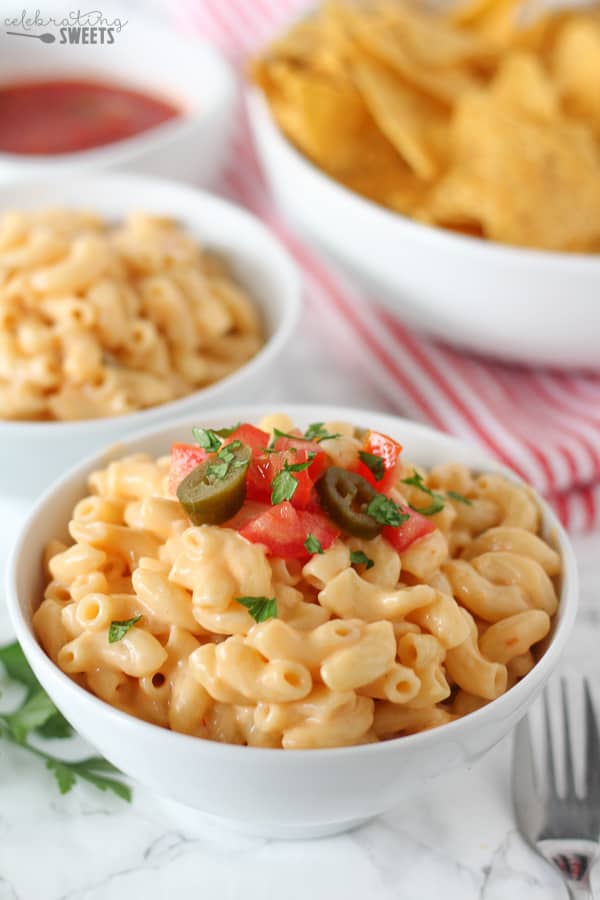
(417, 481)
(313, 544)
(360, 558)
(119, 628)
(386, 512)
(37, 715)
(285, 484)
(316, 432)
(260, 608)
(225, 460)
(373, 462)
(460, 498)
(207, 439)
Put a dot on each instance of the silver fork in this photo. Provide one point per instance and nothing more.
(561, 826)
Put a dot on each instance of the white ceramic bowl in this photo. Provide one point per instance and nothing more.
(183, 70)
(522, 305)
(32, 454)
(299, 793)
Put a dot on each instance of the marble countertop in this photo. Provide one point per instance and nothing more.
(457, 842)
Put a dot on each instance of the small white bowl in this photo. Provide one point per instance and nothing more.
(527, 306)
(277, 793)
(34, 453)
(185, 71)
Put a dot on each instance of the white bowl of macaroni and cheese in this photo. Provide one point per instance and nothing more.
(290, 621)
(125, 300)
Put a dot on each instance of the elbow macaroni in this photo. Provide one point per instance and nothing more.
(101, 320)
(354, 655)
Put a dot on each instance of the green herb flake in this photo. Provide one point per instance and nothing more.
(431, 510)
(118, 630)
(317, 432)
(312, 544)
(386, 512)
(460, 498)
(207, 439)
(283, 487)
(300, 467)
(227, 432)
(359, 558)
(374, 463)
(225, 460)
(416, 480)
(260, 608)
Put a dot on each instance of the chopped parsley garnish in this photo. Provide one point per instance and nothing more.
(38, 715)
(225, 460)
(374, 463)
(284, 485)
(119, 629)
(454, 495)
(359, 558)
(260, 608)
(283, 434)
(227, 432)
(317, 432)
(312, 544)
(416, 480)
(207, 439)
(386, 512)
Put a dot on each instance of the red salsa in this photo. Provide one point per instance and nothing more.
(51, 117)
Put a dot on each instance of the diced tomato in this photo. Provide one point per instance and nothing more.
(184, 458)
(249, 435)
(314, 504)
(264, 467)
(389, 450)
(410, 531)
(250, 510)
(296, 447)
(284, 529)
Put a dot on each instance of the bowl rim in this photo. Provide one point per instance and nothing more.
(512, 699)
(264, 123)
(219, 91)
(278, 259)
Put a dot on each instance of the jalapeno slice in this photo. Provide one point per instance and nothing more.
(345, 496)
(216, 489)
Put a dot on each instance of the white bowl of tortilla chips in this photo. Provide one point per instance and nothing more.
(451, 163)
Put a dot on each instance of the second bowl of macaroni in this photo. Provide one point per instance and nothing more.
(289, 622)
(123, 301)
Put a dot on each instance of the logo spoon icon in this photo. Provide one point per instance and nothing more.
(46, 38)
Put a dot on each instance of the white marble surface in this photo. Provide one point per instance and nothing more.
(458, 842)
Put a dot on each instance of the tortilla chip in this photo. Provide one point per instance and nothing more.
(376, 37)
(576, 66)
(325, 117)
(521, 178)
(413, 123)
(523, 84)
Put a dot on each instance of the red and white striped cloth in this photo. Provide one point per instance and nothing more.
(544, 424)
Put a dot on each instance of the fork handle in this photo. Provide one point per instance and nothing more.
(580, 890)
